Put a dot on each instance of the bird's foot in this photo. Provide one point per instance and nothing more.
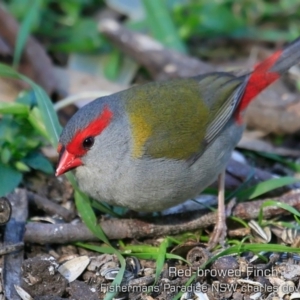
(220, 231)
(219, 234)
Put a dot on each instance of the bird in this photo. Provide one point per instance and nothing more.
(156, 145)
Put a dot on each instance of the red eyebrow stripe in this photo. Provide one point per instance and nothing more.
(93, 129)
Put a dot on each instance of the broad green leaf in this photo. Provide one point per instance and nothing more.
(14, 108)
(20, 166)
(38, 161)
(9, 179)
(45, 105)
(5, 155)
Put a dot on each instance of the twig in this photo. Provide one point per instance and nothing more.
(154, 227)
(275, 110)
(35, 64)
(51, 207)
(5, 249)
(162, 63)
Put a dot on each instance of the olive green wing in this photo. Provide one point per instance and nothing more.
(178, 119)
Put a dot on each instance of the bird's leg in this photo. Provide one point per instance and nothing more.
(220, 229)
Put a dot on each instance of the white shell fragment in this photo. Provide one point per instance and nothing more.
(286, 288)
(22, 293)
(111, 274)
(295, 296)
(201, 296)
(72, 268)
(256, 296)
(262, 235)
(291, 271)
(248, 281)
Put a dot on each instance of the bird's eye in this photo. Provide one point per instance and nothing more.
(88, 142)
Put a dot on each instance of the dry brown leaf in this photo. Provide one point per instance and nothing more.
(9, 90)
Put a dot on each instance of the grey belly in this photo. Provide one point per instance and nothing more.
(157, 184)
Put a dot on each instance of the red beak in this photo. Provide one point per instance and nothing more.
(67, 162)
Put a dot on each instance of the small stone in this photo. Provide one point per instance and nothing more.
(225, 269)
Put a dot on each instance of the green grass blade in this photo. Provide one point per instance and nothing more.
(161, 257)
(264, 187)
(117, 281)
(297, 219)
(85, 209)
(100, 249)
(25, 30)
(294, 166)
(88, 216)
(241, 187)
(140, 249)
(146, 255)
(105, 209)
(152, 256)
(239, 220)
(284, 206)
(48, 114)
(109, 250)
(288, 225)
(177, 257)
(161, 25)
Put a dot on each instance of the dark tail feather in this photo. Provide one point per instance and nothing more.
(289, 57)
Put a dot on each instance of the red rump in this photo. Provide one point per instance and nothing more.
(93, 129)
(259, 80)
